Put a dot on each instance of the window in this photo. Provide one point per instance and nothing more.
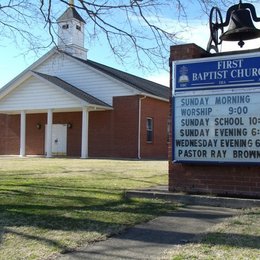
(78, 27)
(149, 130)
(65, 26)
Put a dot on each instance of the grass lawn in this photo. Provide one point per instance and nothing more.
(55, 205)
(237, 238)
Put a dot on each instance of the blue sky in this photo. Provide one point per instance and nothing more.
(14, 56)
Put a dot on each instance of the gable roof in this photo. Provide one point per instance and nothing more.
(70, 13)
(140, 84)
(136, 82)
(72, 89)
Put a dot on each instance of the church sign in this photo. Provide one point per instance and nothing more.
(216, 110)
(215, 74)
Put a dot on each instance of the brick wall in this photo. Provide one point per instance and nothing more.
(231, 180)
(112, 133)
(9, 134)
(35, 136)
(158, 111)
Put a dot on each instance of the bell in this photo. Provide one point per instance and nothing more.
(240, 27)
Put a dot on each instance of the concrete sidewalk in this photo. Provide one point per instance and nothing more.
(152, 240)
(161, 192)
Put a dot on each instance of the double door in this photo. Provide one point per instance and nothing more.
(59, 139)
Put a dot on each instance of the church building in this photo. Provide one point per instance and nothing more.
(67, 105)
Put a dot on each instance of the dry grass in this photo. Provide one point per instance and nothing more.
(237, 238)
(55, 205)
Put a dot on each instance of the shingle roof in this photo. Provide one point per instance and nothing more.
(71, 12)
(138, 83)
(72, 89)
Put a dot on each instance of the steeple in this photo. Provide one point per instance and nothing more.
(71, 32)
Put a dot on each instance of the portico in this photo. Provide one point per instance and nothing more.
(49, 130)
(49, 95)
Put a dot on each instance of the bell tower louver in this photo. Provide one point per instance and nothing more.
(71, 32)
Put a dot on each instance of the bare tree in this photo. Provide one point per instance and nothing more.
(130, 26)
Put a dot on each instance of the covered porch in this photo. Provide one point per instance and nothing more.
(43, 96)
(55, 135)
(48, 133)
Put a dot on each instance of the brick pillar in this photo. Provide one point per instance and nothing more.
(187, 51)
(180, 52)
(228, 180)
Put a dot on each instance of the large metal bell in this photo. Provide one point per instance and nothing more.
(240, 27)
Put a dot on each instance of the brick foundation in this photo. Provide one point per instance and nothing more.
(224, 180)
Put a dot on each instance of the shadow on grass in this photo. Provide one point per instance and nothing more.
(232, 240)
(89, 210)
(50, 223)
(123, 205)
(37, 238)
(22, 175)
(90, 199)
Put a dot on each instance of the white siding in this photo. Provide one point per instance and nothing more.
(80, 75)
(35, 94)
(71, 35)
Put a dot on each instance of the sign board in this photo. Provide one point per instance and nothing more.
(215, 74)
(222, 127)
(217, 126)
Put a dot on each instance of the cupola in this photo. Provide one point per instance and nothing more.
(71, 32)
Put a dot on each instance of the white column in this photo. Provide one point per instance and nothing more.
(22, 133)
(84, 135)
(49, 134)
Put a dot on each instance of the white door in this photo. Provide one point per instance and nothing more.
(59, 139)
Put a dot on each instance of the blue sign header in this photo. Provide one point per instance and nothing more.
(217, 74)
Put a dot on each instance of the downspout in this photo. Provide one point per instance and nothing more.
(139, 127)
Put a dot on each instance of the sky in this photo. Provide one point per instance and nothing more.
(14, 58)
